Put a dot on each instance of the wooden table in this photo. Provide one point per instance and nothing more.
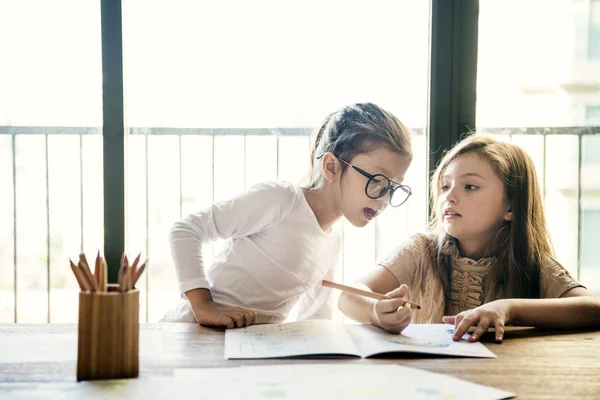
(533, 363)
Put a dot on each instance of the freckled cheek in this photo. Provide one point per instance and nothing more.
(479, 209)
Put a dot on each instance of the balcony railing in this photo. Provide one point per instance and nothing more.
(51, 202)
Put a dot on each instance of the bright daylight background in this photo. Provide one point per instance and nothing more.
(221, 95)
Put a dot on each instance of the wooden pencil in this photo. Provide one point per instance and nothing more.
(365, 293)
(77, 273)
(98, 272)
(87, 272)
(120, 275)
(123, 278)
(127, 272)
(104, 280)
(138, 273)
(133, 270)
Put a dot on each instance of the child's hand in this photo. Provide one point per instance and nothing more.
(390, 314)
(495, 313)
(207, 312)
(214, 314)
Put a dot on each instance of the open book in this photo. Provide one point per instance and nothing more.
(325, 338)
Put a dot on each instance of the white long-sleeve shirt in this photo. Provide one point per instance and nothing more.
(276, 252)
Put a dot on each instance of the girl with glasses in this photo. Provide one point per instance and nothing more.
(487, 260)
(281, 242)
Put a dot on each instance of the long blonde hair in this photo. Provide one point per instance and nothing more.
(521, 244)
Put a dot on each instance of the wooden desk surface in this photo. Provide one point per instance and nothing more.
(535, 364)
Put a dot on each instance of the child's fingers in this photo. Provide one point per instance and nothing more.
(461, 326)
(404, 319)
(238, 318)
(499, 325)
(389, 306)
(457, 319)
(401, 291)
(396, 322)
(249, 317)
(223, 320)
(214, 319)
(482, 327)
(449, 319)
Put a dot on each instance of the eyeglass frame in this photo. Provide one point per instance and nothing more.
(389, 188)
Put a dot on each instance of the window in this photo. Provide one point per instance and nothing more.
(594, 30)
(590, 212)
(526, 94)
(231, 94)
(590, 232)
(50, 154)
(592, 115)
(221, 96)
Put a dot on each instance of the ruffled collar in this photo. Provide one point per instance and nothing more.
(449, 247)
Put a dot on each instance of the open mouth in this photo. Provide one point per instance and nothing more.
(451, 214)
(369, 213)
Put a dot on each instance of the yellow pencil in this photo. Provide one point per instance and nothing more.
(366, 293)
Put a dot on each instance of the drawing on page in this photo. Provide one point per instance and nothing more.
(410, 341)
(439, 339)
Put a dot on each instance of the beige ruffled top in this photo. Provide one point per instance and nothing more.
(411, 264)
(467, 283)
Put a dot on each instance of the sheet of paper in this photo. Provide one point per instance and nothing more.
(34, 347)
(352, 380)
(305, 381)
(158, 388)
(288, 340)
(416, 338)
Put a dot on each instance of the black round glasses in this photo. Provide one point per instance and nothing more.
(379, 185)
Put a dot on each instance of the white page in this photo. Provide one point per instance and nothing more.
(155, 388)
(290, 339)
(325, 337)
(347, 381)
(416, 338)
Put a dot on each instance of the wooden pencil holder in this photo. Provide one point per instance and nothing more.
(108, 334)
